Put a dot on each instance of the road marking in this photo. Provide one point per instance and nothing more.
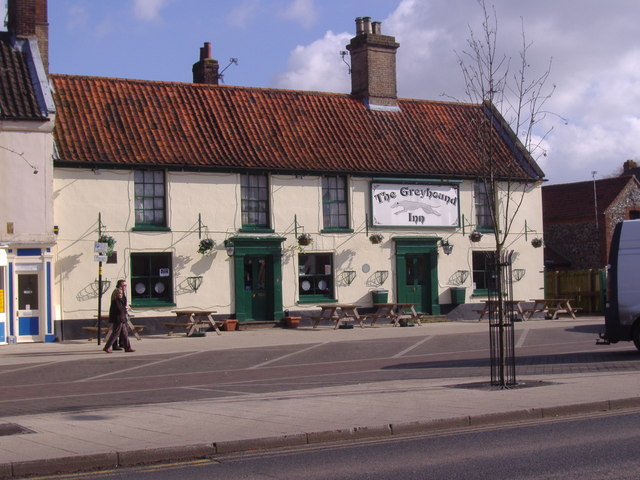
(400, 354)
(118, 372)
(120, 472)
(522, 338)
(287, 355)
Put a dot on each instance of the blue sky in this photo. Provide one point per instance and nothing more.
(595, 52)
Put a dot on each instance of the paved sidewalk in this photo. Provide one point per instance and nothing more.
(119, 436)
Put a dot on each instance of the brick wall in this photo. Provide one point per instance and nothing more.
(28, 18)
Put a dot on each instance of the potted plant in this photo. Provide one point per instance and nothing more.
(475, 236)
(304, 239)
(536, 242)
(376, 238)
(109, 241)
(206, 247)
(292, 322)
(230, 325)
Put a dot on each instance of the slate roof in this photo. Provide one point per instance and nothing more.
(575, 200)
(17, 96)
(134, 123)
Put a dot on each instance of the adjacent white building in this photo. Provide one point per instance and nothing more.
(27, 238)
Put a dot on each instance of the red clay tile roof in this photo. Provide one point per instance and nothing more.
(133, 123)
(17, 96)
(575, 200)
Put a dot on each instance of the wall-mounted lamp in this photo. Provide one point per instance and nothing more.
(447, 248)
(228, 245)
(194, 282)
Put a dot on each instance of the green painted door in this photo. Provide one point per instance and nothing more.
(416, 277)
(417, 273)
(257, 275)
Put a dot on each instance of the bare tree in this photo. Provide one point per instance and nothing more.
(514, 104)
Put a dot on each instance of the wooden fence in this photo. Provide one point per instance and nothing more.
(587, 288)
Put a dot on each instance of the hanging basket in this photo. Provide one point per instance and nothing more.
(376, 238)
(110, 243)
(304, 239)
(536, 242)
(475, 236)
(206, 247)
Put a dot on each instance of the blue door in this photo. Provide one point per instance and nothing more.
(28, 314)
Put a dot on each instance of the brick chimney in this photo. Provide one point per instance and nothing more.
(373, 65)
(28, 19)
(629, 167)
(206, 70)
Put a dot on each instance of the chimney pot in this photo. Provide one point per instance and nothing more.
(205, 52)
(359, 26)
(377, 28)
(367, 24)
(629, 165)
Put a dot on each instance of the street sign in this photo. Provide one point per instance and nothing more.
(100, 247)
(100, 257)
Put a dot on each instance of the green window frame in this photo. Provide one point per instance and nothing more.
(483, 262)
(335, 205)
(254, 192)
(316, 278)
(151, 279)
(150, 199)
(484, 222)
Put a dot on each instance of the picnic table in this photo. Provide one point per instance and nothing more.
(509, 305)
(396, 312)
(552, 307)
(104, 331)
(192, 321)
(339, 313)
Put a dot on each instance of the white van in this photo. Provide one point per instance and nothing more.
(622, 310)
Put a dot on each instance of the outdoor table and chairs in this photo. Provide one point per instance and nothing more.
(398, 313)
(552, 307)
(339, 313)
(514, 306)
(193, 321)
(106, 328)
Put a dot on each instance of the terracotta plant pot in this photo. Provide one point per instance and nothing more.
(292, 322)
(230, 325)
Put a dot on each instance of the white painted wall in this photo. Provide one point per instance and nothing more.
(80, 195)
(25, 196)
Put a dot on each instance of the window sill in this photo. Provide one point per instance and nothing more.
(150, 228)
(250, 229)
(151, 303)
(317, 299)
(336, 230)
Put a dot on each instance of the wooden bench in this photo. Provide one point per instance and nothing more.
(186, 325)
(92, 330)
(373, 317)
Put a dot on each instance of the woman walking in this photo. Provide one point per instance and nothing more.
(118, 319)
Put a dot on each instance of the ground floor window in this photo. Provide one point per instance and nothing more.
(151, 279)
(484, 276)
(315, 277)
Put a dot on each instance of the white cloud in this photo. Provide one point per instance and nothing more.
(318, 66)
(148, 10)
(301, 11)
(595, 68)
(242, 14)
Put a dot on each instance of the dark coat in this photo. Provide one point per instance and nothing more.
(117, 310)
